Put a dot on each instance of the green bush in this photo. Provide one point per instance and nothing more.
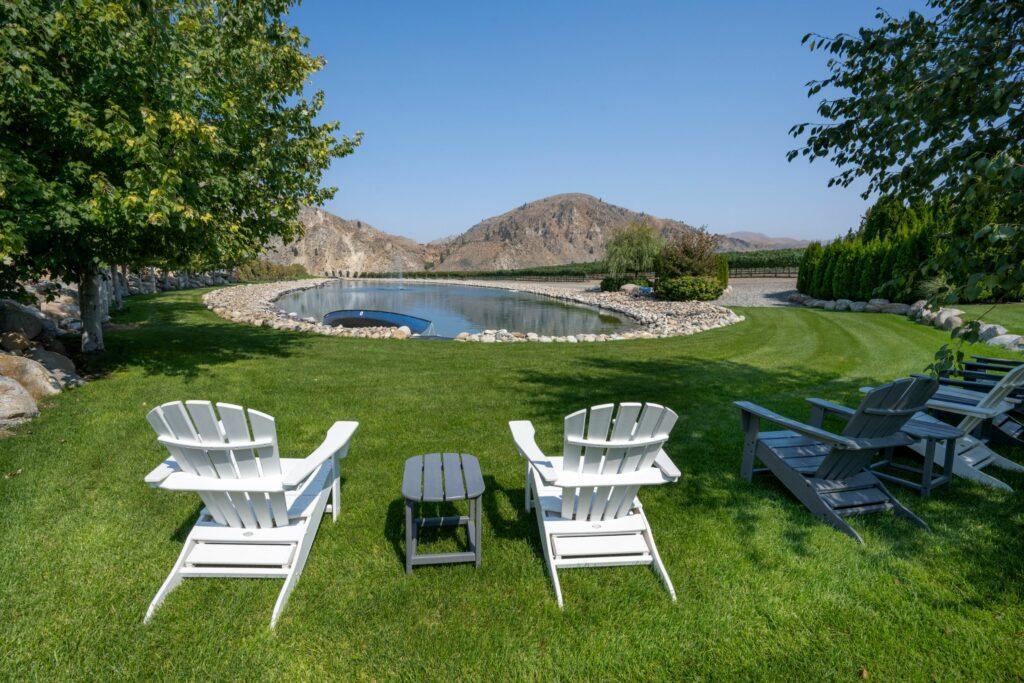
(258, 271)
(689, 288)
(689, 252)
(722, 269)
(612, 283)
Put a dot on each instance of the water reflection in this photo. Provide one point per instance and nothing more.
(456, 308)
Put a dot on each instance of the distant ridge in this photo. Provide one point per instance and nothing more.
(563, 228)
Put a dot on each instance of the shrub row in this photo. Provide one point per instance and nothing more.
(772, 258)
(860, 270)
(259, 271)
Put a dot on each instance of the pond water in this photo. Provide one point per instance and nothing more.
(452, 309)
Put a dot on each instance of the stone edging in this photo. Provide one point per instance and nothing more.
(945, 318)
(254, 305)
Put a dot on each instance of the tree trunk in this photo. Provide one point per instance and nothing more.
(90, 301)
(115, 280)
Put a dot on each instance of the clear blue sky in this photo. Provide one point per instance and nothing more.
(680, 109)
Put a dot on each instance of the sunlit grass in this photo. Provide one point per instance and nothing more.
(764, 589)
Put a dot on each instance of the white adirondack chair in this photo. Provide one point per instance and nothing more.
(973, 454)
(587, 509)
(262, 511)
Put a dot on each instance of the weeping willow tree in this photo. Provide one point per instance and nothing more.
(633, 250)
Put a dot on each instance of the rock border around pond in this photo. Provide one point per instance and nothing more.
(255, 305)
(944, 318)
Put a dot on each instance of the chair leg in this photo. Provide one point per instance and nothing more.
(335, 489)
(549, 559)
(527, 487)
(410, 537)
(751, 426)
(172, 581)
(658, 565)
(832, 519)
(902, 510)
(1007, 464)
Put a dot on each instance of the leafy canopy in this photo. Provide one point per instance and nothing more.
(172, 133)
(933, 108)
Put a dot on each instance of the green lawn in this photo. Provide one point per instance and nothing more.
(1010, 316)
(765, 590)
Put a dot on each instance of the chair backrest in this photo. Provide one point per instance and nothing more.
(1007, 385)
(882, 413)
(223, 447)
(603, 441)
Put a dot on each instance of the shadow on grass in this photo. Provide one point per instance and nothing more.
(706, 445)
(176, 337)
(448, 539)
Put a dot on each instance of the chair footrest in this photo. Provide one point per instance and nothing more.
(241, 555)
(598, 545)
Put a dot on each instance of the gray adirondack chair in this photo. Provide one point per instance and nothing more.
(828, 472)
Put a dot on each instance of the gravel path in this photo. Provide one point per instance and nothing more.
(759, 292)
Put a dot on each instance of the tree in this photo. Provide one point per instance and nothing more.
(170, 133)
(933, 108)
(632, 250)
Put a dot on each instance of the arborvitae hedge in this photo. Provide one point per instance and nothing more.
(882, 260)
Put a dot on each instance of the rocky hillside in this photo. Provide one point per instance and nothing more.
(564, 228)
(335, 245)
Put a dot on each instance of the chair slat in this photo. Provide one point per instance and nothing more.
(264, 427)
(575, 425)
(454, 487)
(236, 429)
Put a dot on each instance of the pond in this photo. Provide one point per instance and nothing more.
(452, 309)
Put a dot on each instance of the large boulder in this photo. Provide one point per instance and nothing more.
(15, 317)
(858, 306)
(1006, 341)
(14, 341)
(36, 379)
(843, 304)
(989, 331)
(60, 308)
(898, 309)
(16, 404)
(61, 367)
(952, 322)
(945, 314)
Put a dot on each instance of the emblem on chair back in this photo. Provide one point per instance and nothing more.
(609, 443)
(882, 413)
(218, 448)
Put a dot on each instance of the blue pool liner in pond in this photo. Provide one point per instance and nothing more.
(370, 318)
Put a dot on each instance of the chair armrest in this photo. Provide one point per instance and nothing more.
(667, 467)
(336, 441)
(523, 434)
(162, 471)
(798, 427)
(820, 408)
(970, 410)
(183, 481)
(644, 477)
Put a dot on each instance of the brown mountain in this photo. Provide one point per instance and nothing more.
(564, 228)
(335, 245)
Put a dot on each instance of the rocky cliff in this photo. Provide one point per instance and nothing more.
(333, 245)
